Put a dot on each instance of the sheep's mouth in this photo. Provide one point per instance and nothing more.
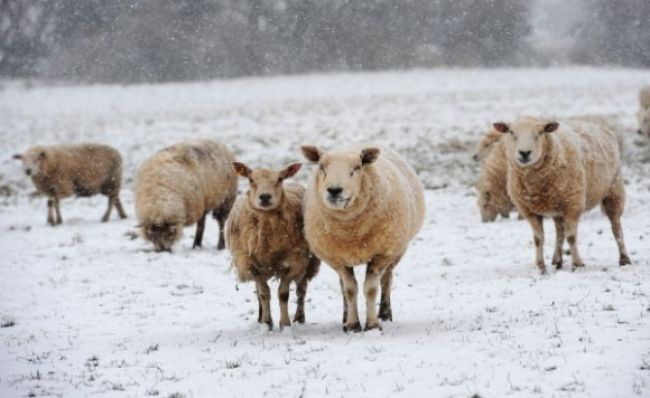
(340, 203)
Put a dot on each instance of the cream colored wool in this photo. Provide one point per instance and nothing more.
(62, 171)
(266, 239)
(492, 183)
(379, 210)
(179, 185)
(573, 166)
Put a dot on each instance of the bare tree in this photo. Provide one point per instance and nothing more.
(25, 30)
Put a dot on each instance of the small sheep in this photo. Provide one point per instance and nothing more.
(643, 114)
(62, 171)
(265, 236)
(492, 183)
(561, 171)
(362, 207)
(179, 185)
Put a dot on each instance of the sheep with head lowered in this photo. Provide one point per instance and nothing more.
(492, 183)
(643, 114)
(264, 233)
(561, 170)
(62, 171)
(179, 185)
(364, 204)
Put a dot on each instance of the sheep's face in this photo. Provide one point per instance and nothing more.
(163, 236)
(340, 174)
(265, 190)
(526, 139)
(486, 144)
(34, 160)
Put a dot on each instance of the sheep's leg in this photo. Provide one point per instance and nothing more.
(559, 241)
(259, 306)
(374, 272)
(57, 209)
(221, 214)
(385, 310)
(350, 291)
(108, 210)
(345, 302)
(264, 294)
(571, 231)
(537, 224)
(118, 206)
(613, 207)
(301, 288)
(283, 297)
(50, 212)
(200, 227)
(301, 292)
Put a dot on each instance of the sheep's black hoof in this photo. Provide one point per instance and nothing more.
(372, 326)
(575, 267)
(625, 260)
(385, 313)
(299, 317)
(355, 327)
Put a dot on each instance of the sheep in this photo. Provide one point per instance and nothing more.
(561, 171)
(178, 186)
(364, 204)
(62, 171)
(643, 114)
(492, 183)
(264, 233)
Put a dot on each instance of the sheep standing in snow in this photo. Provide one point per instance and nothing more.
(179, 185)
(492, 183)
(62, 171)
(265, 235)
(362, 206)
(643, 115)
(561, 171)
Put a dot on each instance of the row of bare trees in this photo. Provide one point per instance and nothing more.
(163, 40)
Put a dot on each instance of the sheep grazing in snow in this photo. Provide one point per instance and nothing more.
(561, 170)
(179, 185)
(265, 235)
(363, 205)
(492, 183)
(62, 171)
(643, 115)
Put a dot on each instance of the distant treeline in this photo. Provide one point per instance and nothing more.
(165, 40)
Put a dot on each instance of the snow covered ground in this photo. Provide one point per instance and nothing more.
(87, 309)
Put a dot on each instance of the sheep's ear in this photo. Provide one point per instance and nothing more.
(241, 169)
(369, 155)
(19, 156)
(290, 170)
(551, 127)
(311, 153)
(501, 127)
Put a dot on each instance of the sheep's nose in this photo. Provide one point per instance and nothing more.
(335, 191)
(265, 198)
(524, 155)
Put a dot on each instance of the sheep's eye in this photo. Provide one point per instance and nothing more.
(322, 168)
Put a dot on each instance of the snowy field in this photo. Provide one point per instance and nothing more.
(87, 309)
